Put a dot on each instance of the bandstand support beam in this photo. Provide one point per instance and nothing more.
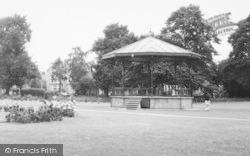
(123, 77)
(113, 68)
(151, 77)
(175, 64)
(191, 78)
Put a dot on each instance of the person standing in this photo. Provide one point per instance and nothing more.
(207, 101)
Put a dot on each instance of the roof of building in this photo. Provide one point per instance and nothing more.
(150, 46)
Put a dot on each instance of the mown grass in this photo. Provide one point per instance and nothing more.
(100, 130)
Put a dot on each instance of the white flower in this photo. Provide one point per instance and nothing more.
(70, 102)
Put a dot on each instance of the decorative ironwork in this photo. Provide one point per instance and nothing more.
(158, 91)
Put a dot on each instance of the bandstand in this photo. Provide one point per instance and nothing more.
(151, 50)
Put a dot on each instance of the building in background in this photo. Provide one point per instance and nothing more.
(54, 85)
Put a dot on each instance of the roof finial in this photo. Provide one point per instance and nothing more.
(151, 34)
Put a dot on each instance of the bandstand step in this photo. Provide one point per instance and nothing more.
(133, 104)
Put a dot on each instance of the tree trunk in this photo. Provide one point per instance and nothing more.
(7, 92)
(106, 92)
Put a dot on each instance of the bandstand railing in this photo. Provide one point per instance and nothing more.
(120, 91)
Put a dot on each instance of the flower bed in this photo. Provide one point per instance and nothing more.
(50, 111)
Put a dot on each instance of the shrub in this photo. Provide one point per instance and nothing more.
(6, 108)
(50, 94)
(68, 112)
(3, 96)
(31, 98)
(15, 97)
(33, 92)
(48, 112)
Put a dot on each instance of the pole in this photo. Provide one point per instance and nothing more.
(180, 88)
(151, 77)
(123, 77)
(175, 64)
(113, 66)
(190, 81)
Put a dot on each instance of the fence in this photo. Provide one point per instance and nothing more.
(174, 91)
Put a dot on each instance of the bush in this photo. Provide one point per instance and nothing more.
(15, 97)
(68, 112)
(48, 112)
(50, 94)
(31, 98)
(3, 96)
(33, 91)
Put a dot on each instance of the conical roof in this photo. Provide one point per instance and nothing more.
(150, 46)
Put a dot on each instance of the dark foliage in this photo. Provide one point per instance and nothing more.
(33, 91)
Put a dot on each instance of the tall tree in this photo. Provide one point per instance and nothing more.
(115, 36)
(235, 70)
(240, 40)
(187, 28)
(59, 72)
(15, 64)
(79, 71)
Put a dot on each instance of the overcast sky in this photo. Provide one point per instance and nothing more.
(59, 25)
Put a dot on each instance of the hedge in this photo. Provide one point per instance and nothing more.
(50, 94)
(33, 92)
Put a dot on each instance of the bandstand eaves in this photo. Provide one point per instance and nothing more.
(150, 46)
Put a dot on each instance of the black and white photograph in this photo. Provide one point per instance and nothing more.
(124, 78)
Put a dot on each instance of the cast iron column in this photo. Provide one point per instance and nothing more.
(191, 78)
(123, 77)
(113, 66)
(175, 64)
(151, 77)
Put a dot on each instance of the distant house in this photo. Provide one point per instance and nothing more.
(66, 87)
(54, 85)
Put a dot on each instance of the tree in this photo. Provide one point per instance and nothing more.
(59, 72)
(187, 28)
(79, 71)
(235, 77)
(235, 70)
(37, 83)
(240, 40)
(16, 66)
(115, 36)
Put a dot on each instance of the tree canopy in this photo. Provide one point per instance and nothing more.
(115, 36)
(79, 71)
(240, 40)
(187, 28)
(234, 71)
(59, 72)
(15, 64)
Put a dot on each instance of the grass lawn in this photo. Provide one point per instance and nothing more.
(100, 130)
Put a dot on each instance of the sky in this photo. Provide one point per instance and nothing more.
(59, 25)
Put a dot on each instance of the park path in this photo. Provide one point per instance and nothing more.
(126, 112)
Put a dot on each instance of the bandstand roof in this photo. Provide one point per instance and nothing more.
(150, 46)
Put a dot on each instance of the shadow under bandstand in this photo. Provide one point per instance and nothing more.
(149, 51)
